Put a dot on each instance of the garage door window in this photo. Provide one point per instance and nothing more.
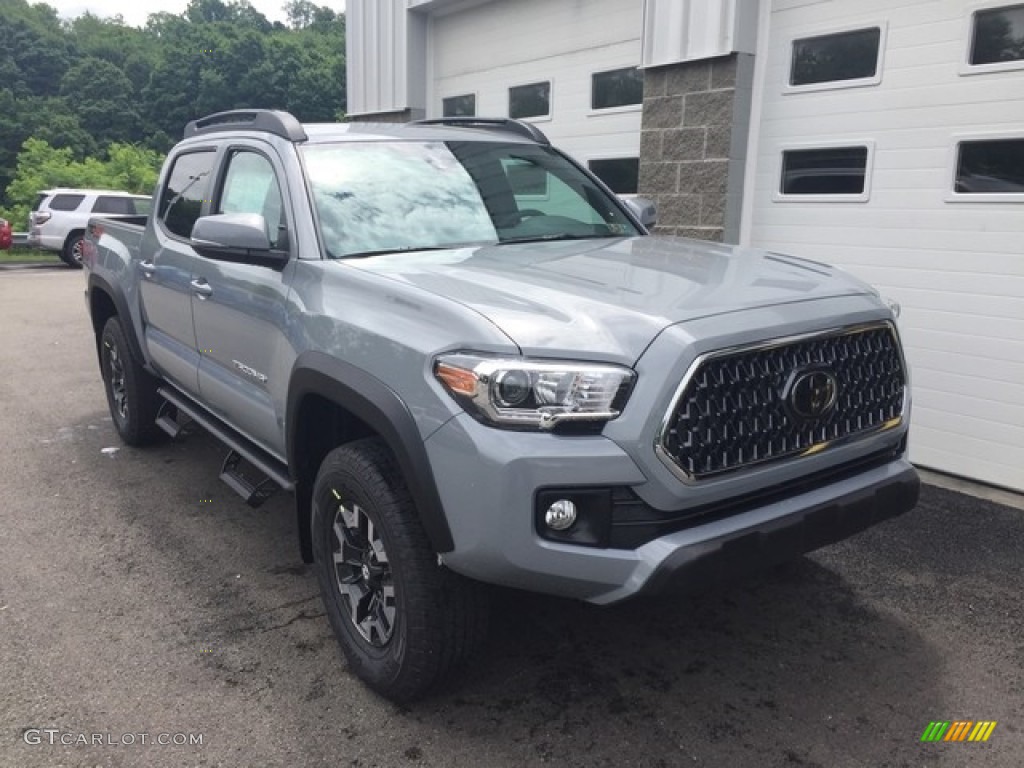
(997, 37)
(459, 106)
(990, 169)
(621, 174)
(533, 100)
(618, 88)
(826, 173)
(839, 59)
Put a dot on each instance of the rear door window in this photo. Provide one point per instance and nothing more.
(117, 205)
(181, 201)
(66, 202)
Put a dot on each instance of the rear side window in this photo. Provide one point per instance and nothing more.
(66, 202)
(39, 202)
(118, 205)
(188, 183)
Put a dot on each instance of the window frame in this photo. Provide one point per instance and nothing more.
(474, 94)
(862, 197)
(204, 208)
(535, 118)
(635, 107)
(861, 82)
(953, 161)
(966, 68)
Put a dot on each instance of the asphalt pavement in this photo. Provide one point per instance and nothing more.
(142, 602)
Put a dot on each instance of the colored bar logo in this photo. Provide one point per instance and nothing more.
(958, 730)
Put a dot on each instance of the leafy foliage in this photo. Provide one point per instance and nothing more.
(96, 88)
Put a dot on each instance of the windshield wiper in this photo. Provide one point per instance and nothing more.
(385, 251)
(552, 238)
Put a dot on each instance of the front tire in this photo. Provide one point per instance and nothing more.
(403, 620)
(131, 391)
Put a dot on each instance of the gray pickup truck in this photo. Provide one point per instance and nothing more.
(472, 365)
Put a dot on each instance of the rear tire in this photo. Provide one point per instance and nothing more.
(403, 620)
(131, 391)
(71, 254)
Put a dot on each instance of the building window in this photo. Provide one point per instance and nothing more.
(997, 36)
(459, 106)
(533, 100)
(620, 174)
(825, 171)
(618, 88)
(990, 166)
(839, 57)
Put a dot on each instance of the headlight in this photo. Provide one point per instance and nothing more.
(534, 394)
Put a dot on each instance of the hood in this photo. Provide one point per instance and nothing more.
(607, 299)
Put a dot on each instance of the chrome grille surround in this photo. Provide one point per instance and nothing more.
(729, 414)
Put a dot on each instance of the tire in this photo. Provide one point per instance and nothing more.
(71, 254)
(131, 391)
(404, 622)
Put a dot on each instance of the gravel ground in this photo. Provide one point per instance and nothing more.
(139, 596)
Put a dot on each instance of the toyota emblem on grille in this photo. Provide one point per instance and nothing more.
(811, 394)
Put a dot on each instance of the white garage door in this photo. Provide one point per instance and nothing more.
(891, 143)
(544, 56)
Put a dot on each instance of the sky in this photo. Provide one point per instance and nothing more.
(135, 12)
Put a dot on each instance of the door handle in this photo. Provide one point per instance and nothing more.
(147, 267)
(201, 288)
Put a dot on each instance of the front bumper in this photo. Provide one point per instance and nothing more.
(489, 482)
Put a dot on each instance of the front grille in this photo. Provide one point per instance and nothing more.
(737, 408)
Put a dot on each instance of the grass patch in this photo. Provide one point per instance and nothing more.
(19, 254)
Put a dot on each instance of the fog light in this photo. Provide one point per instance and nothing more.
(560, 515)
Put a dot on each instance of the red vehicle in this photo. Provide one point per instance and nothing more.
(6, 236)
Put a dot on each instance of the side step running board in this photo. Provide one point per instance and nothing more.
(254, 493)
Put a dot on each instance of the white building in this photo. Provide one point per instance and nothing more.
(884, 136)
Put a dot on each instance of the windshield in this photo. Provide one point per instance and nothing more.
(382, 197)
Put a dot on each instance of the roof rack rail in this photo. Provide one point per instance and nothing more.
(490, 124)
(273, 121)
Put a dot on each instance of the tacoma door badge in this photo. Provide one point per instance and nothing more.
(260, 377)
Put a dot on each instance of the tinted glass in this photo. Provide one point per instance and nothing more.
(990, 167)
(379, 196)
(620, 174)
(114, 205)
(66, 202)
(460, 106)
(532, 100)
(617, 89)
(998, 35)
(39, 202)
(832, 171)
(187, 189)
(842, 56)
(142, 205)
(251, 187)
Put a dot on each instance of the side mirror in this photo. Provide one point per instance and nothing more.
(642, 208)
(240, 237)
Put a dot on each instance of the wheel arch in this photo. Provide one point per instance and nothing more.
(331, 402)
(106, 301)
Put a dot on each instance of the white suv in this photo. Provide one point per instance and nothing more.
(59, 219)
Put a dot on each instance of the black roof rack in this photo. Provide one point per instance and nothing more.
(273, 121)
(490, 124)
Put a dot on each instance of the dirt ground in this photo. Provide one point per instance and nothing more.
(139, 596)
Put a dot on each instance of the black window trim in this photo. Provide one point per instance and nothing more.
(551, 99)
(953, 164)
(204, 210)
(476, 102)
(861, 82)
(966, 68)
(638, 106)
(779, 197)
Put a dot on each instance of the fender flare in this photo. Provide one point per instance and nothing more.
(374, 403)
(116, 295)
